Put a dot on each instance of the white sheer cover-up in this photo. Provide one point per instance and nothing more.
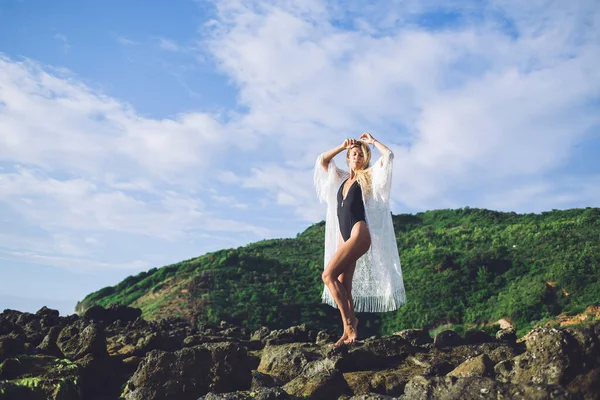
(377, 285)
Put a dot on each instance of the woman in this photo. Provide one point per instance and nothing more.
(360, 244)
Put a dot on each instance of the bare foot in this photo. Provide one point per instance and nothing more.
(341, 341)
(351, 332)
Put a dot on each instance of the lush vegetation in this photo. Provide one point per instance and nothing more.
(462, 268)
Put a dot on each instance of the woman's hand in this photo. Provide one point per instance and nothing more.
(367, 138)
(348, 143)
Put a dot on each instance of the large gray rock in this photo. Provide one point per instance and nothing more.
(390, 382)
(416, 337)
(260, 334)
(115, 312)
(475, 336)
(477, 388)
(326, 336)
(80, 338)
(99, 377)
(439, 362)
(588, 341)
(11, 345)
(319, 380)
(294, 334)
(48, 345)
(287, 361)
(587, 385)
(551, 358)
(264, 381)
(447, 339)
(478, 366)
(190, 373)
(508, 335)
(377, 354)
(261, 394)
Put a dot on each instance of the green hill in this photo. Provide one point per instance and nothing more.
(465, 267)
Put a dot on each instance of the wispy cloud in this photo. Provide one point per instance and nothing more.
(71, 263)
(126, 41)
(169, 45)
(64, 42)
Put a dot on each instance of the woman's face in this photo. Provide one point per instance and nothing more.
(356, 158)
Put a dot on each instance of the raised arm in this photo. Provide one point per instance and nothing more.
(369, 139)
(328, 155)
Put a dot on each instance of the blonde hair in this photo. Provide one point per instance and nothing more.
(363, 174)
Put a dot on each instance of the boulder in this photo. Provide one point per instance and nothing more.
(287, 361)
(48, 345)
(156, 341)
(439, 362)
(587, 385)
(390, 382)
(325, 337)
(189, 373)
(130, 364)
(80, 338)
(318, 380)
(478, 366)
(235, 332)
(476, 388)
(260, 334)
(377, 354)
(33, 331)
(551, 358)
(475, 336)
(588, 342)
(100, 376)
(294, 334)
(262, 394)
(447, 338)
(115, 312)
(47, 312)
(508, 335)
(11, 346)
(416, 337)
(10, 368)
(262, 381)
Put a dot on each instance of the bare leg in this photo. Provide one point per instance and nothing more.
(346, 257)
(351, 324)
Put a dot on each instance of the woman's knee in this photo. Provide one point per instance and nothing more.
(328, 277)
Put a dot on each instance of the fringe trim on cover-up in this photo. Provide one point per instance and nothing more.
(373, 304)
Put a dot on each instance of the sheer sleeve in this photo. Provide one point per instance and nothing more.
(382, 177)
(327, 182)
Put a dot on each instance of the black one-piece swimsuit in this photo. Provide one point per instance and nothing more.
(351, 209)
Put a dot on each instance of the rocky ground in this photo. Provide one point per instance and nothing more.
(113, 353)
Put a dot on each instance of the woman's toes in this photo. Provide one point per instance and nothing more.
(340, 342)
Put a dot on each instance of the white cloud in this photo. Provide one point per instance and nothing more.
(81, 205)
(479, 112)
(64, 40)
(474, 105)
(169, 45)
(52, 121)
(126, 41)
(71, 263)
(77, 163)
(230, 201)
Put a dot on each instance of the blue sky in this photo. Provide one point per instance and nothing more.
(137, 134)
